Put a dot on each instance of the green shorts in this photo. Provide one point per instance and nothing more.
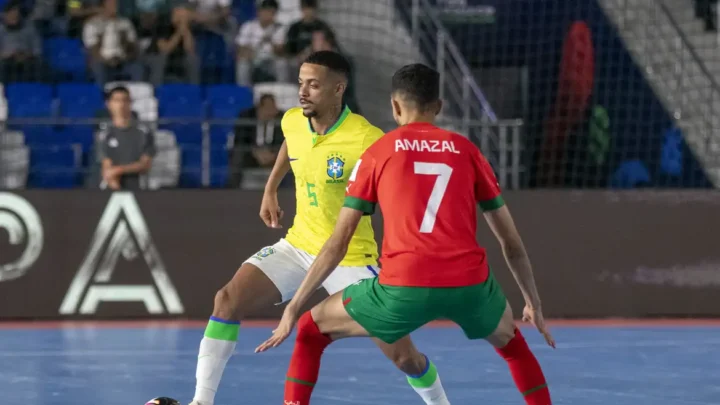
(390, 312)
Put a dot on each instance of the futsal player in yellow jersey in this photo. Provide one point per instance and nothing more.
(323, 141)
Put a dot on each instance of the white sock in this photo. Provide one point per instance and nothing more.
(212, 359)
(428, 386)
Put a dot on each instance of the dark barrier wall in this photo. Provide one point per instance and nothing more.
(82, 254)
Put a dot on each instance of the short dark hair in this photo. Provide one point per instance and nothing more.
(308, 4)
(270, 4)
(116, 89)
(418, 84)
(331, 60)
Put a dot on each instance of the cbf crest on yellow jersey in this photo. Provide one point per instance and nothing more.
(321, 165)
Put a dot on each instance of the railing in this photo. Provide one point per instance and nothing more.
(466, 109)
(66, 149)
(685, 47)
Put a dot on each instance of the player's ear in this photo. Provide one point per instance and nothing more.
(439, 107)
(395, 106)
(341, 87)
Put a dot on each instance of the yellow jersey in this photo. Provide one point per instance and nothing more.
(321, 165)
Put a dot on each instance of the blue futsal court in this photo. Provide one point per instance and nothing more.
(127, 366)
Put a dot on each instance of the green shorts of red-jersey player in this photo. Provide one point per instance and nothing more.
(391, 312)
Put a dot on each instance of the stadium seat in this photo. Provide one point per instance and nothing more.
(138, 90)
(3, 109)
(54, 166)
(14, 163)
(147, 109)
(177, 92)
(218, 166)
(192, 167)
(225, 103)
(286, 94)
(217, 58)
(11, 139)
(67, 57)
(30, 100)
(165, 171)
(80, 101)
(631, 174)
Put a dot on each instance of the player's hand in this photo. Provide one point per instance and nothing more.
(535, 317)
(270, 211)
(287, 324)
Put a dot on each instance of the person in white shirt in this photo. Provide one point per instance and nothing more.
(261, 47)
(111, 41)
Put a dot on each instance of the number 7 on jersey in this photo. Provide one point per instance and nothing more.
(443, 173)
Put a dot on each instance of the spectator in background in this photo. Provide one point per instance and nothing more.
(261, 45)
(150, 15)
(173, 49)
(111, 41)
(127, 147)
(256, 146)
(43, 15)
(323, 40)
(20, 47)
(299, 35)
(79, 12)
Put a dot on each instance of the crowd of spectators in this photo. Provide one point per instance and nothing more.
(156, 40)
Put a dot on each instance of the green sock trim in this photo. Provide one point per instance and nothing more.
(295, 380)
(426, 380)
(531, 390)
(222, 331)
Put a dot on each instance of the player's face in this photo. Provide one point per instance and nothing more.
(319, 89)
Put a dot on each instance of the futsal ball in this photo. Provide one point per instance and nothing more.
(162, 401)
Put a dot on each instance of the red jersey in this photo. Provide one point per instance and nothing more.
(427, 182)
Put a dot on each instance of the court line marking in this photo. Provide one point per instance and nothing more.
(263, 323)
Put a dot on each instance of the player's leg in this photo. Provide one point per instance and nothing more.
(482, 311)
(420, 371)
(269, 277)
(316, 329)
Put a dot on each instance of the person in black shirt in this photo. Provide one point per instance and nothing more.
(298, 39)
(172, 49)
(256, 146)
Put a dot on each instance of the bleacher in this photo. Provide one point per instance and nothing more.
(48, 131)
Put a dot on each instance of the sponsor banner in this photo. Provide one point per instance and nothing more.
(86, 254)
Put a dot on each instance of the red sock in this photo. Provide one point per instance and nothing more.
(305, 361)
(526, 371)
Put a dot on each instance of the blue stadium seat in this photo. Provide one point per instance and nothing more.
(217, 58)
(177, 92)
(80, 100)
(30, 100)
(191, 171)
(67, 57)
(631, 174)
(53, 167)
(218, 166)
(225, 102)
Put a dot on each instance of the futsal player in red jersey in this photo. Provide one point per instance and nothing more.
(428, 182)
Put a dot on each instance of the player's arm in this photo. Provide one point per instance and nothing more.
(360, 200)
(497, 215)
(279, 170)
(503, 226)
(331, 254)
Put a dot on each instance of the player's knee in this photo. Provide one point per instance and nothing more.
(308, 331)
(504, 333)
(225, 305)
(409, 363)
